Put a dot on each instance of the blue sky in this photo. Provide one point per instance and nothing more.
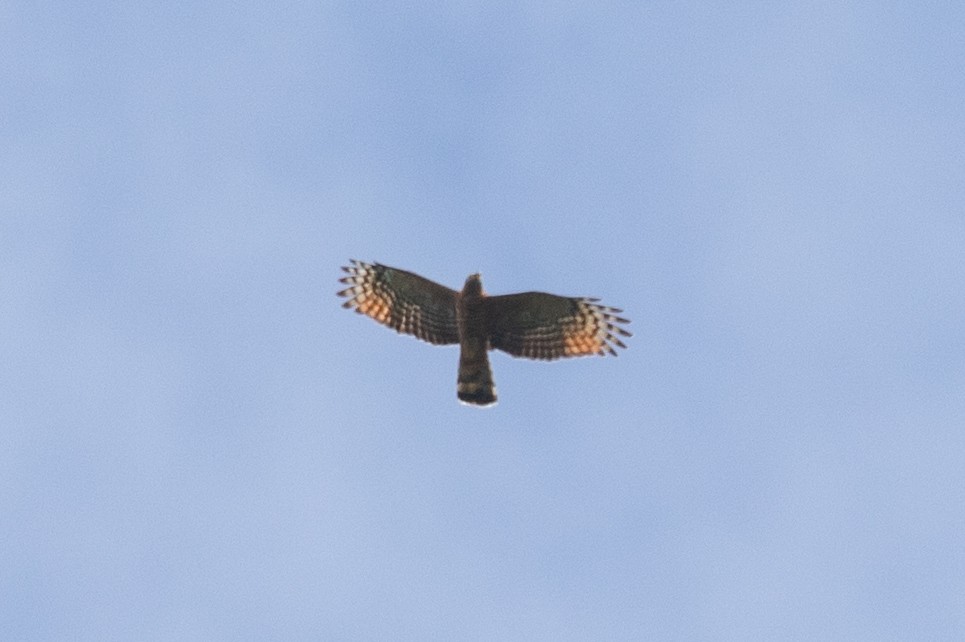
(197, 442)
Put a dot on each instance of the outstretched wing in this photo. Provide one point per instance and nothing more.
(404, 301)
(537, 325)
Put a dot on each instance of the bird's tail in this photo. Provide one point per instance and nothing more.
(475, 383)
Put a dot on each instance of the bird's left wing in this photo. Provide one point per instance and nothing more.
(537, 325)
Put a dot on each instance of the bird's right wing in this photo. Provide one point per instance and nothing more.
(401, 300)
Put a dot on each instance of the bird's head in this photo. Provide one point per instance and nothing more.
(473, 286)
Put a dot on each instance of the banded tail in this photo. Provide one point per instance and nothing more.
(475, 383)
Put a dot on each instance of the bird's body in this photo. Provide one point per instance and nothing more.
(535, 325)
(475, 382)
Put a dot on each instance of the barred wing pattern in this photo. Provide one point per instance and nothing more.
(537, 325)
(403, 301)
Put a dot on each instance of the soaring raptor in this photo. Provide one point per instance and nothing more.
(535, 325)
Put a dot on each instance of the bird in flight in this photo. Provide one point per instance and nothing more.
(534, 325)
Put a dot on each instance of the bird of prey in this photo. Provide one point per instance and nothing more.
(534, 325)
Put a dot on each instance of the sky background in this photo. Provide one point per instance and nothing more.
(198, 442)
